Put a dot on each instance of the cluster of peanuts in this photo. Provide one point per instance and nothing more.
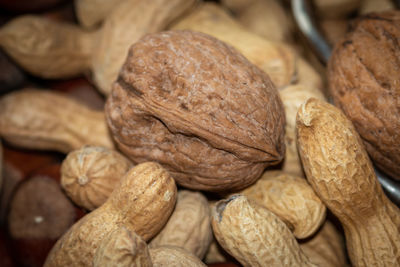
(321, 206)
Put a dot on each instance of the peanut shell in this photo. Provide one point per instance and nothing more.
(142, 202)
(46, 120)
(174, 256)
(90, 174)
(189, 226)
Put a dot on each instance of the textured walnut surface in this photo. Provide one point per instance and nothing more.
(198, 107)
(364, 77)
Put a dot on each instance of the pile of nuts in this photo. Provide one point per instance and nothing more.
(191, 133)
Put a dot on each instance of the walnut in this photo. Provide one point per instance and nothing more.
(198, 107)
(364, 79)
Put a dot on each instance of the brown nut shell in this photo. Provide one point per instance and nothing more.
(254, 235)
(189, 226)
(174, 256)
(339, 170)
(292, 199)
(198, 107)
(90, 174)
(364, 82)
(47, 120)
(122, 248)
(142, 202)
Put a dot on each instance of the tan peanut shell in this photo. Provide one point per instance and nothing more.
(268, 19)
(326, 247)
(46, 120)
(254, 235)
(90, 174)
(127, 23)
(278, 60)
(292, 97)
(236, 6)
(46, 48)
(122, 248)
(291, 198)
(90, 13)
(368, 6)
(339, 170)
(189, 226)
(216, 253)
(166, 256)
(142, 202)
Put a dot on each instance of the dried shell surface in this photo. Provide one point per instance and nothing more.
(122, 248)
(40, 119)
(126, 24)
(90, 174)
(198, 107)
(254, 235)
(326, 247)
(189, 226)
(292, 97)
(292, 199)
(364, 81)
(166, 256)
(340, 172)
(90, 13)
(142, 202)
(47, 48)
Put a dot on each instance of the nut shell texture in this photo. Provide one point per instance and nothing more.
(90, 174)
(198, 107)
(364, 80)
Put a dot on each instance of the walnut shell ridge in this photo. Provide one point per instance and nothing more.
(364, 81)
(198, 107)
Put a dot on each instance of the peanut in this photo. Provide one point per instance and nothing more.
(59, 50)
(290, 198)
(122, 248)
(90, 13)
(142, 202)
(174, 256)
(90, 174)
(189, 225)
(40, 119)
(254, 235)
(326, 247)
(339, 170)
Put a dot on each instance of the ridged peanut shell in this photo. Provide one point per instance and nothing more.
(291, 198)
(364, 82)
(255, 236)
(189, 226)
(90, 174)
(122, 248)
(142, 202)
(166, 256)
(198, 107)
(47, 120)
(339, 170)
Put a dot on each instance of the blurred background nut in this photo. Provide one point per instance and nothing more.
(90, 174)
(198, 107)
(364, 82)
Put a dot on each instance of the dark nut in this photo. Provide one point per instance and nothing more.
(364, 78)
(198, 107)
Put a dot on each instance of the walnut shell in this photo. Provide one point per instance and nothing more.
(90, 174)
(198, 107)
(365, 83)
